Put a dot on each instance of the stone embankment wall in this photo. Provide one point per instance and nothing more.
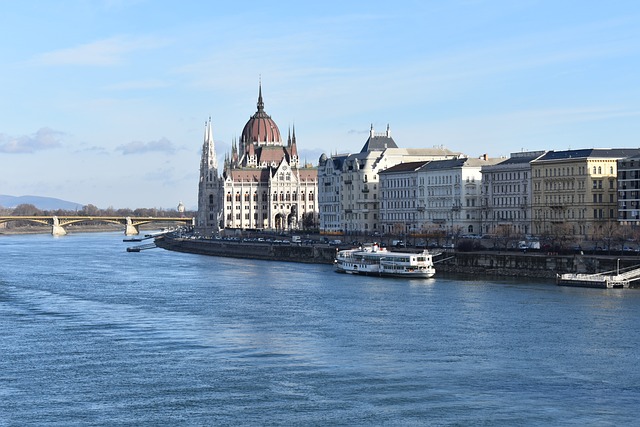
(532, 264)
(306, 253)
(505, 264)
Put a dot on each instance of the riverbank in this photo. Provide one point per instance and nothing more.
(476, 264)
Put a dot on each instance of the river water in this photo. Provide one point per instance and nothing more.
(93, 335)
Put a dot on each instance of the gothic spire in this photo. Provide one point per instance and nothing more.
(260, 102)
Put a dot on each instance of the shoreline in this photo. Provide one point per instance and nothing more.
(529, 265)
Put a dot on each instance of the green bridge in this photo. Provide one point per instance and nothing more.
(131, 224)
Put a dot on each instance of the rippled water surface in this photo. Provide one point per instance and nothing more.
(93, 335)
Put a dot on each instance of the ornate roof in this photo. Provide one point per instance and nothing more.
(260, 128)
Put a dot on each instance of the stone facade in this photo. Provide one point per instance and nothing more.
(209, 187)
(506, 195)
(574, 192)
(265, 186)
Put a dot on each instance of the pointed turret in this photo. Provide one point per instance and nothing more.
(209, 186)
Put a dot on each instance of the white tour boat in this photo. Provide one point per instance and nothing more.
(376, 261)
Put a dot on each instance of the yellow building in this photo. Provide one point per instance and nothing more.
(574, 193)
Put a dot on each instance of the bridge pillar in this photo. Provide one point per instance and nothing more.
(56, 228)
(130, 229)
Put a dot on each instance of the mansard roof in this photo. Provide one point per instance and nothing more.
(524, 157)
(444, 164)
(378, 143)
(606, 153)
(338, 160)
(404, 167)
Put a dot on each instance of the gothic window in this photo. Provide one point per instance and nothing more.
(238, 198)
(228, 197)
(210, 198)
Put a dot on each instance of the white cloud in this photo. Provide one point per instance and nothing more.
(139, 147)
(107, 52)
(43, 139)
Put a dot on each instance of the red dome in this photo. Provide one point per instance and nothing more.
(261, 128)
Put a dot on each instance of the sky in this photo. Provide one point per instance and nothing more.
(104, 102)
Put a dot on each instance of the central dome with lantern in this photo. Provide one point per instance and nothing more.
(260, 129)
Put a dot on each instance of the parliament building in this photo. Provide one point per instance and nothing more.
(263, 185)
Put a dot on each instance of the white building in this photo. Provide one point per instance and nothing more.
(330, 193)
(265, 187)
(359, 191)
(209, 187)
(450, 191)
(400, 207)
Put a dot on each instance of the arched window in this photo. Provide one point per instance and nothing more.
(211, 199)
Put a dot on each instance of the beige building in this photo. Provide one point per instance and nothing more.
(574, 192)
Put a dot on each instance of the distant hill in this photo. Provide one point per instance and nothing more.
(43, 203)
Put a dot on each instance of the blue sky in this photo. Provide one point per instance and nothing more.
(104, 102)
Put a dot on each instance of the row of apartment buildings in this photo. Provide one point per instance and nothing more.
(389, 190)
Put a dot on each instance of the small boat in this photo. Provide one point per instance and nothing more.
(376, 261)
